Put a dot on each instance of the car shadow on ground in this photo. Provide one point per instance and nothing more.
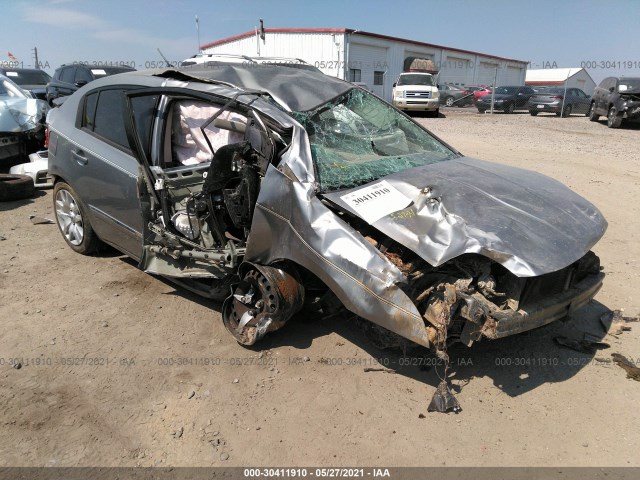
(13, 204)
(626, 124)
(515, 365)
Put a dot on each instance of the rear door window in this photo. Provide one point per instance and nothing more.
(109, 120)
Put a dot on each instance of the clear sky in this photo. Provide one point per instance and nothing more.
(561, 33)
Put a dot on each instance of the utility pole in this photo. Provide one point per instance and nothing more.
(35, 54)
(198, 29)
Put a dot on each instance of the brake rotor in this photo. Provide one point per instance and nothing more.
(262, 302)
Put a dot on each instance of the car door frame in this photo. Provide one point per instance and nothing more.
(151, 260)
(105, 175)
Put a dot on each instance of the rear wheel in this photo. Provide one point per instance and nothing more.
(533, 112)
(592, 113)
(72, 220)
(614, 120)
(567, 111)
(510, 108)
(481, 110)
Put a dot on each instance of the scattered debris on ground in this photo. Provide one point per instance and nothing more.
(615, 323)
(382, 369)
(583, 346)
(443, 400)
(36, 220)
(627, 365)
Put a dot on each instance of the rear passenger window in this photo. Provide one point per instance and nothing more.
(109, 117)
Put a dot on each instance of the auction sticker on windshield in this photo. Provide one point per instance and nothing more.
(376, 201)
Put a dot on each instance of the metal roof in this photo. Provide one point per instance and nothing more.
(550, 75)
(354, 32)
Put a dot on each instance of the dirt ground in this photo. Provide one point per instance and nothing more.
(120, 368)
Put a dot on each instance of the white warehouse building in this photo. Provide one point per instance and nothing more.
(371, 58)
(561, 77)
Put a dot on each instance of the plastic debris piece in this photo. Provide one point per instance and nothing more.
(633, 372)
(582, 346)
(443, 400)
(40, 220)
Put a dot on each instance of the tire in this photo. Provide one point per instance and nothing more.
(567, 111)
(481, 110)
(510, 108)
(592, 113)
(533, 113)
(16, 187)
(449, 101)
(613, 119)
(72, 220)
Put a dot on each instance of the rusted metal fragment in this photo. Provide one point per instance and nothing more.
(633, 372)
(443, 400)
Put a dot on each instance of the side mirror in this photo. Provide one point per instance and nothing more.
(80, 83)
(394, 84)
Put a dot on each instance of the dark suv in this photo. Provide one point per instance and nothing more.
(68, 78)
(618, 99)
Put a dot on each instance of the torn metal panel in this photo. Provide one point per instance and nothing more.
(291, 223)
(19, 113)
(294, 89)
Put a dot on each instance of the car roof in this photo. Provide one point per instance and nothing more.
(5, 69)
(295, 89)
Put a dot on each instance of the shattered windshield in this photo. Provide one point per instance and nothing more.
(357, 138)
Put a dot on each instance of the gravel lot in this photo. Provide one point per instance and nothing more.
(120, 368)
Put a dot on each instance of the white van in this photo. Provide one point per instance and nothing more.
(416, 91)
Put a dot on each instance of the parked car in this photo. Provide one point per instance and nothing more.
(416, 91)
(68, 78)
(618, 98)
(554, 100)
(31, 79)
(245, 187)
(478, 91)
(507, 99)
(453, 96)
(21, 121)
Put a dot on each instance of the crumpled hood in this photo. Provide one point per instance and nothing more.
(21, 114)
(523, 220)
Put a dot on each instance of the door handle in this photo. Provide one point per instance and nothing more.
(80, 158)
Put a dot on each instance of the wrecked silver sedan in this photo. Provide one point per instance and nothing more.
(263, 185)
(21, 120)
